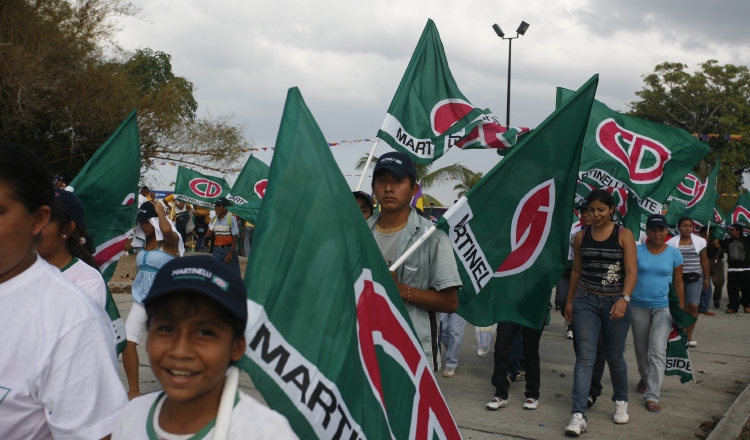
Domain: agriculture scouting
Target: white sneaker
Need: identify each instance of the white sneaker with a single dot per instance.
(569, 334)
(692, 343)
(531, 404)
(621, 412)
(495, 404)
(449, 372)
(577, 425)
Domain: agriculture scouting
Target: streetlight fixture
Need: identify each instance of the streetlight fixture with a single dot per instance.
(522, 28)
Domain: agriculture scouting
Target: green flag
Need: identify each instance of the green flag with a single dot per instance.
(698, 196)
(510, 233)
(429, 115)
(678, 359)
(199, 189)
(646, 158)
(330, 344)
(249, 189)
(741, 212)
(106, 187)
(718, 225)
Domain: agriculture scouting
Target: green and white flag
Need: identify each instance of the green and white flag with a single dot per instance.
(718, 224)
(646, 158)
(698, 196)
(249, 189)
(510, 233)
(199, 189)
(329, 342)
(429, 114)
(741, 211)
(106, 187)
(678, 359)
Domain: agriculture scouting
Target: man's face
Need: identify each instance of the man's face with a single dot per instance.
(363, 207)
(393, 193)
(220, 209)
(734, 233)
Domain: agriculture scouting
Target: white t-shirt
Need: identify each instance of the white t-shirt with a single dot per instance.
(58, 368)
(87, 279)
(250, 419)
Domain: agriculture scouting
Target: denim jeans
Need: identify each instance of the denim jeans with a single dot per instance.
(693, 292)
(651, 329)
(590, 316)
(452, 328)
(596, 376)
(200, 243)
(506, 333)
(705, 298)
(515, 357)
(221, 252)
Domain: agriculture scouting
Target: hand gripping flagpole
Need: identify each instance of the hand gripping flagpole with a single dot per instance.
(226, 405)
(461, 202)
(367, 164)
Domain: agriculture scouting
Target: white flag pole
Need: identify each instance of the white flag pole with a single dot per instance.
(461, 202)
(367, 164)
(226, 404)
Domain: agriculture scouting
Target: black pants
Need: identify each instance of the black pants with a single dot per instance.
(506, 332)
(736, 282)
(181, 222)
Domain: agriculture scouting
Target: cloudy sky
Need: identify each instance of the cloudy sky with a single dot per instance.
(347, 57)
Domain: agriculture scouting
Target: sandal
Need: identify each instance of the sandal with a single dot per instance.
(642, 387)
(653, 407)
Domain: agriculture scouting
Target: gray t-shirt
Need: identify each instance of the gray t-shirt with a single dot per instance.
(388, 244)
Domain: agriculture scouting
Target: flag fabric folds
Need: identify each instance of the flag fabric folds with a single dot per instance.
(647, 159)
(199, 189)
(678, 359)
(329, 342)
(510, 232)
(249, 189)
(429, 114)
(107, 187)
(699, 196)
(741, 212)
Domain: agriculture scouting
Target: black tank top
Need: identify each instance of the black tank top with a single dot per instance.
(603, 263)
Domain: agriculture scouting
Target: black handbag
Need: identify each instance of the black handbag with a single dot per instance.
(690, 277)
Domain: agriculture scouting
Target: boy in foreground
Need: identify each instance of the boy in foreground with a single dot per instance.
(196, 317)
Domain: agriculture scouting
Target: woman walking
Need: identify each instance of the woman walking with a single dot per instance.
(160, 242)
(695, 273)
(603, 277)
(658, 265)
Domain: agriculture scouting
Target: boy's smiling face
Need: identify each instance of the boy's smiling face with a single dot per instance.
(190, 349)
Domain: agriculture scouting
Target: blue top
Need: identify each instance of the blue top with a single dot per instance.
(654, 275)
(149, 262)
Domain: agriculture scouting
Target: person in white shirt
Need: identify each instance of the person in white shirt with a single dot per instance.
(59, 377)
(196, 316)
(66, 245)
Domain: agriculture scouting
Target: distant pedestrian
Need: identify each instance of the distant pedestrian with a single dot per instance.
(364, 201)
(737, 250)
(225, 231)
(695, 273)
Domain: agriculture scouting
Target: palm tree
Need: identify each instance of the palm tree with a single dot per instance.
(468, 181)
(427, 177)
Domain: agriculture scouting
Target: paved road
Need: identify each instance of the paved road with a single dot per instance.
(721, 361)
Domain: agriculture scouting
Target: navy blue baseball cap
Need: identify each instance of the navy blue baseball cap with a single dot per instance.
(400, 164)
(71, 205)
(655, 220)
(223, 201)
(146, 211)
(205, 275)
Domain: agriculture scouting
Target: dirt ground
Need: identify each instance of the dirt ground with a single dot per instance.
(126, 269)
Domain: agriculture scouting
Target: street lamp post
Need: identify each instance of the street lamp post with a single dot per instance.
(520, 31)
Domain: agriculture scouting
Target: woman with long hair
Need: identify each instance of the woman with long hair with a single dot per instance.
(658, 265)
(66, 245)
(159, 242)
(59, 358)
(601, 282)
(695, 273)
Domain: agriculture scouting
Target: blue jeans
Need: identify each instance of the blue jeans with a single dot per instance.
(221, 252)
(452, 328)
(693, 292)
(590, 316)
(200, 243)
(651, 329)
(705, 297)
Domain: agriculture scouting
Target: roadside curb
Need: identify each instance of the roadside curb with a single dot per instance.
(730, 426)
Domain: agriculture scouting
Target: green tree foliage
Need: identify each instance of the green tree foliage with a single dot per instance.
(63, 96)
(712, 100)
(468, 181)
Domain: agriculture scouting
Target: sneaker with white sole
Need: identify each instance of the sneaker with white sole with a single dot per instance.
(449, 372)
(495, 404)
(621, 412)
(531, 404)
(577, 425)
(692, 343)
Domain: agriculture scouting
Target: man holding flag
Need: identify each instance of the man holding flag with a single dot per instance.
(428, 281)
